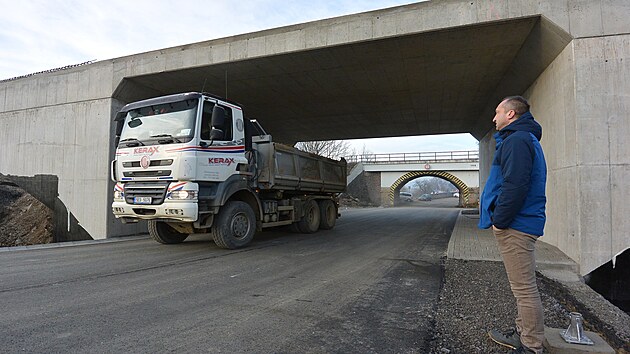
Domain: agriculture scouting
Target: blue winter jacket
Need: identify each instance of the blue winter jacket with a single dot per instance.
(514, 195)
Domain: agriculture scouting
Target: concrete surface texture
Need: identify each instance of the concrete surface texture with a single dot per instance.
(425, 68)
(557, 345)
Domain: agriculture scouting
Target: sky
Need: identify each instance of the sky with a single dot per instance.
(37, 35)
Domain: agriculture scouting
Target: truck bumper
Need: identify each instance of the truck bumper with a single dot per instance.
(181, 211)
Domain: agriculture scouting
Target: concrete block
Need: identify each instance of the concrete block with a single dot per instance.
(147, 63)
(555, 11)
(9, 99)
(72, 82)
(493, 10)
(295, 40)
(620, 190)
(337, 33)
(315, 37)
(238, 50)
(256, 47)
(220, 53)
(275, 44)
(586, 18)
(3, 95)
(412, 22)
(385, 25)
(616, 13)
(562, 193)
(595, 216)
(194, 56)
(173, 60)
(360, 29)
(556, 345)
(32, 88)
(553, 103)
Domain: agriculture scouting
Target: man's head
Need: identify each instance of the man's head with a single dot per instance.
(509, 110)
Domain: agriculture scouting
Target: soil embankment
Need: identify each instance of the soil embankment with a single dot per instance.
(24, 220)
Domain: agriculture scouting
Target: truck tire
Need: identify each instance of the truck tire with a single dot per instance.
(234, 226)
(162, 233)
(328, 214)
(310, 221)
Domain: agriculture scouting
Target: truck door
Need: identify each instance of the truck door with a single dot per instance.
(218, 157)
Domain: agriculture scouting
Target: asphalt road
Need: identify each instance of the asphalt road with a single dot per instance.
(368, 286)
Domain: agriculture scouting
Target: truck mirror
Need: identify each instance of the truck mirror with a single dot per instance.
(218, 116)
(216, 134)
(134, 123)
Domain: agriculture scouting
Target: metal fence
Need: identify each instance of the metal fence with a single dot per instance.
(414, 157)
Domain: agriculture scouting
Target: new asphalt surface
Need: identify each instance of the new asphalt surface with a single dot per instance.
(415, 279)
(370, 285)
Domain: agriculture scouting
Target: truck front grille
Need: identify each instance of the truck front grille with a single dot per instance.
(155, 190)
(158, 173)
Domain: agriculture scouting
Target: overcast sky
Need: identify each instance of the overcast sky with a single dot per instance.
(37, 35)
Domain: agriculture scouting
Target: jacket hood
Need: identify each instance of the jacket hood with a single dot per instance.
(525, 123)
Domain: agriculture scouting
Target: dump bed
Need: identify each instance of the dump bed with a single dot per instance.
(282, 167)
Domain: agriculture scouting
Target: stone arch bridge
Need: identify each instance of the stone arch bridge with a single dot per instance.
(378, 178)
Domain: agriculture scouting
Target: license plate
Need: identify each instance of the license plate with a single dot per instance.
(142, 200)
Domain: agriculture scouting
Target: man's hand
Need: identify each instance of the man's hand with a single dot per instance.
(496, 228)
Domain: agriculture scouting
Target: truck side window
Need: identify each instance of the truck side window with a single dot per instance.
(206, 122)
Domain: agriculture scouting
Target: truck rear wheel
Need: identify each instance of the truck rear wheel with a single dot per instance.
(162, 233)
(234, 226)
(310, 222)
(328, 214)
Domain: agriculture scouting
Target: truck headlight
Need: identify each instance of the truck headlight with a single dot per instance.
(183, 195)
(118, 195)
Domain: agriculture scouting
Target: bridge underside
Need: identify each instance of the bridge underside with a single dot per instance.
(427, 68)
(433, 82)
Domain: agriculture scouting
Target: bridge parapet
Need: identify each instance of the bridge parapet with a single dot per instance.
(415, 157)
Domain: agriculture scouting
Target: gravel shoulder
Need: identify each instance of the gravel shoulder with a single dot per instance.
(475, 298)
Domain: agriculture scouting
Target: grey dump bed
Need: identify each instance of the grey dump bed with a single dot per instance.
(286, 168)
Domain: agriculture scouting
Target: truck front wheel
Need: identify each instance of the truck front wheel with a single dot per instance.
(310, 222)
(234, 226)
(162, 233)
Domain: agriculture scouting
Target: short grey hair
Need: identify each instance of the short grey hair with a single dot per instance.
(518, 104)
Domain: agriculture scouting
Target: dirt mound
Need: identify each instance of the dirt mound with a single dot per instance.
(24, 220)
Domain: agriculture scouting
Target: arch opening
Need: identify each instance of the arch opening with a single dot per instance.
(397, 186)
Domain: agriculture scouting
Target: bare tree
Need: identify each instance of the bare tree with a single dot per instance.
(334, 149)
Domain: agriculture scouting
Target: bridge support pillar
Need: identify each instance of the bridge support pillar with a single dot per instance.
(385, 197)
(473, 198)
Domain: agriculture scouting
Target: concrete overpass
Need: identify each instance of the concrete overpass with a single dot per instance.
(379, 178)
(426, 68)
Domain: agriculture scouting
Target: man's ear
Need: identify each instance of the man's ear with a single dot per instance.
(511, 114)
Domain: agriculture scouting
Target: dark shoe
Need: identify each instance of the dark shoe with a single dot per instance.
(522, 350)
(509, 338)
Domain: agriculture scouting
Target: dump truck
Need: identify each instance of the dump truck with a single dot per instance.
(192, 163)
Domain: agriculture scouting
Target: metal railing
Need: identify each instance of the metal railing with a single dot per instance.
(414, 157)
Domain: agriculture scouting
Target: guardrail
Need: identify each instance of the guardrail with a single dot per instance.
(411, 157)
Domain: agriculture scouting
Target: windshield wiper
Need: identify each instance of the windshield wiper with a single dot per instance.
(132, 142)
(170, 139)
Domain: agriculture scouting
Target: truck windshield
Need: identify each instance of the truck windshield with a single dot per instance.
(160, 124)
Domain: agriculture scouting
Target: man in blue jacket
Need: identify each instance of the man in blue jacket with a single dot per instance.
(513, 204)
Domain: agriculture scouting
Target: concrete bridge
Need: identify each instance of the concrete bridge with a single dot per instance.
(426, 68)
(378, 178)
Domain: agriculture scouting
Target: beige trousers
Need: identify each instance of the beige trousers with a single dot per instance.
(517, 250)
